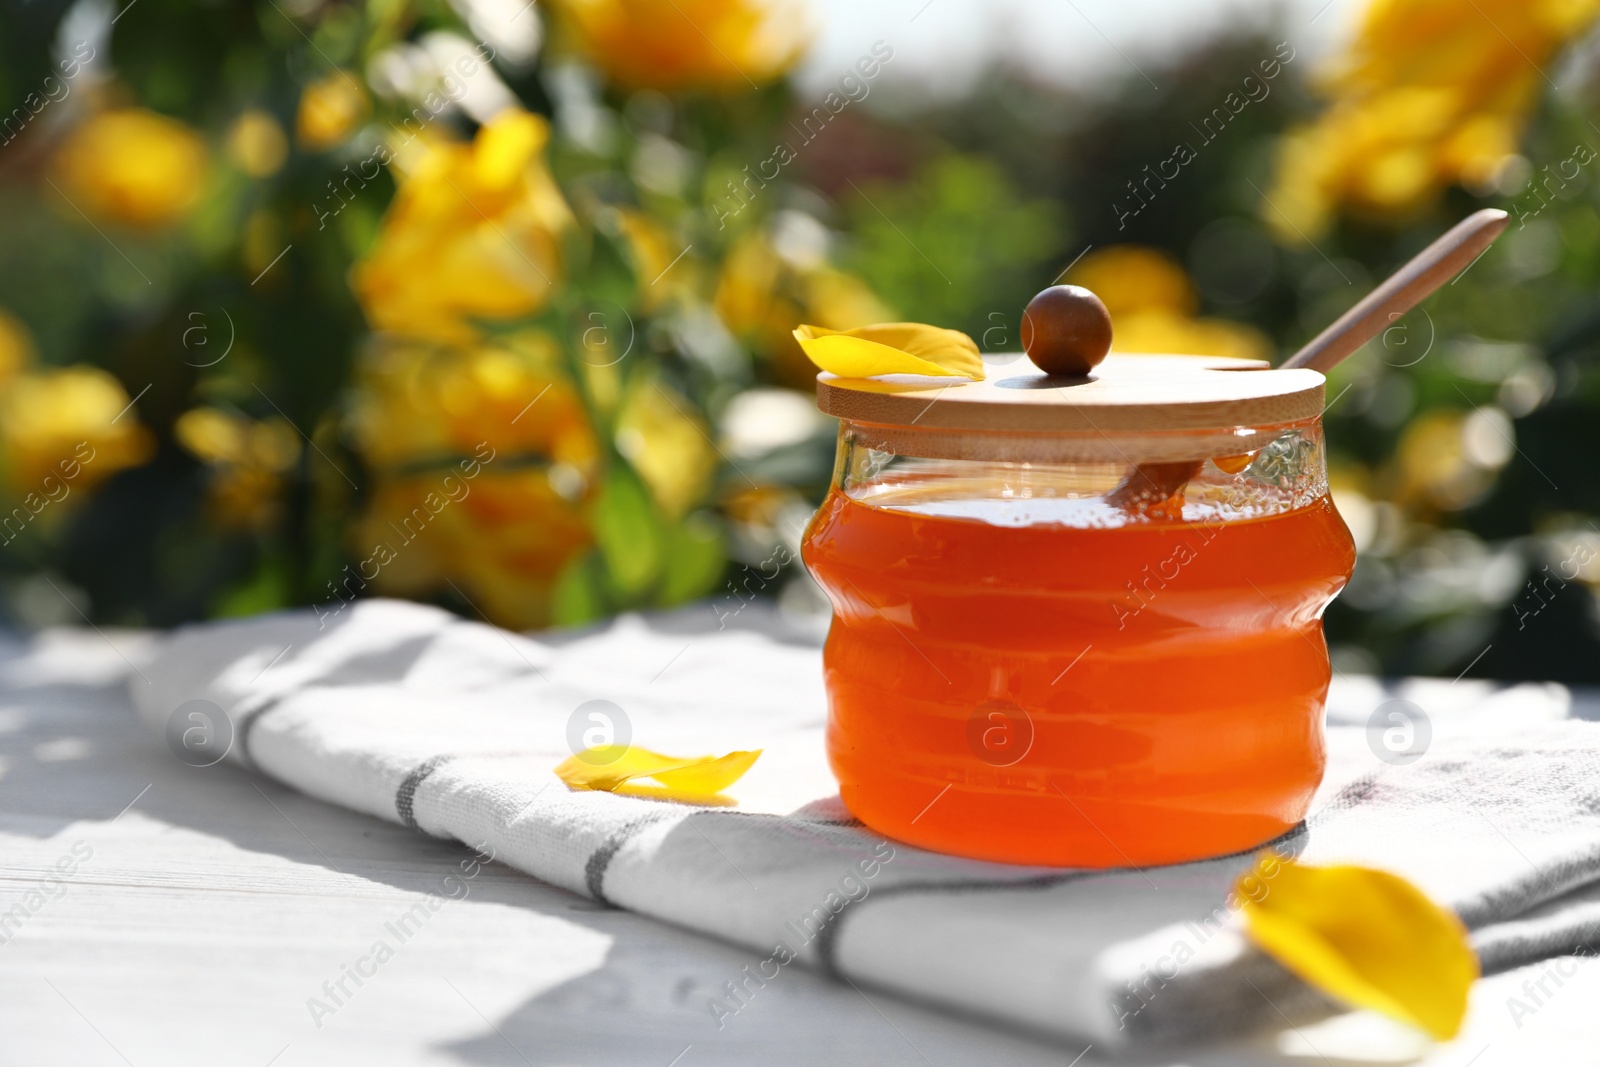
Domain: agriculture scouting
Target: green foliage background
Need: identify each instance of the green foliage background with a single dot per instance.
(954, 213)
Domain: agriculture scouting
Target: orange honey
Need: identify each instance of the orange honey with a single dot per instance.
(1066, 691)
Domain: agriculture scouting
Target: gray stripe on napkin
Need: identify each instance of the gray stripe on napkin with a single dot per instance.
(246, 723)
(406, 795)
(828, 936)
(594, 871)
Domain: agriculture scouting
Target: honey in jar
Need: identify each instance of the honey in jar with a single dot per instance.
(1028, 663)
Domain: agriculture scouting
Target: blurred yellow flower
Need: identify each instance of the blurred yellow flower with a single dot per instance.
(330, 110)
(1152, 305)
(248, 461)
(666, 445)
(420, 402)
(1162, 331)
(1430, 93)
(82, 414)
(762, 296)
(132, 167)
(256, 143)
(663, 269)
(482, 461)
(1446, 460)
(747, 291)
(16, 347)
(1133, 278)
(681, 44)
(759, 506)
(474, 232)
(837, 300)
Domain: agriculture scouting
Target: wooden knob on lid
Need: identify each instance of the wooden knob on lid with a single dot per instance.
(1066, 331)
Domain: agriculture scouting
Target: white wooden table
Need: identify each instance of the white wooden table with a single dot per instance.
(212, 905)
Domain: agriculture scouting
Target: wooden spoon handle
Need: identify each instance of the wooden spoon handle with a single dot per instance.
(1150, 486)
(1403, 290)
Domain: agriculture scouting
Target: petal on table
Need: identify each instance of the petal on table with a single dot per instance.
(1365, 937)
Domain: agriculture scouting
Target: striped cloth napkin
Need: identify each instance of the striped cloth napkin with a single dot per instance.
(453, 728)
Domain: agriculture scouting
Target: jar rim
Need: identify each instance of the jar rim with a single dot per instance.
(1079, 446)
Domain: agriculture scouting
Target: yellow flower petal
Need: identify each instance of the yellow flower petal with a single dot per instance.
(474, 232)
(50, 415)
(506, 147)
(665, 445)
(610, 767)
(711, 776)
(684, 44)
(133, 167)
(1365, 937)
(892, 348)
(330, 110)
(256, 143)
(1132, 278)
(16, 347)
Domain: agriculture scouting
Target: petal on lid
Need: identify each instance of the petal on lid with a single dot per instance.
(892, 348)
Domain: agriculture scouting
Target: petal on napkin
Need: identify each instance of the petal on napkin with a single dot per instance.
(609, 767)
(892, 348)
(1365, 937)
(711, 776)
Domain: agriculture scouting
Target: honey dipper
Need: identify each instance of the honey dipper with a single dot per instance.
(1067, 331)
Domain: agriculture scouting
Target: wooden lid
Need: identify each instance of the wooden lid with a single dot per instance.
(1130, 393)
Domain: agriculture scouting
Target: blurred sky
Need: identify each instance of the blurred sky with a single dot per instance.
(940, 44)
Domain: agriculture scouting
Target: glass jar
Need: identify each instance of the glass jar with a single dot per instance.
(1083, 630)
